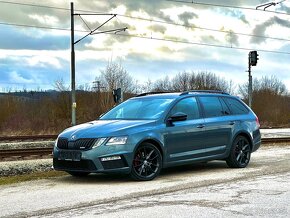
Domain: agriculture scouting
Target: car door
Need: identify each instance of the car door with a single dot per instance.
(218, 125)
(184, 139)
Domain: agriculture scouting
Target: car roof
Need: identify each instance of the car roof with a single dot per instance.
(179, 94)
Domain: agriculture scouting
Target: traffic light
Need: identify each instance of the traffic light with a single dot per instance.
(117, 95)
(253, 58)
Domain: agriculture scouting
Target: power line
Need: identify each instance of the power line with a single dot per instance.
(178, 1)
(226, 6)
(34, 5)
(203, 44)
(166, 22)
(203, 28)
(154, 38)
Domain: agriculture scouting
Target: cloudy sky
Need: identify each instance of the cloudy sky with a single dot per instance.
(163, 38)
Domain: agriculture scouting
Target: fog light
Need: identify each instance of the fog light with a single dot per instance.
(111, 158)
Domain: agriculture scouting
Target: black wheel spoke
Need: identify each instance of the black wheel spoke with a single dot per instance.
(238, 157)
(153, 158)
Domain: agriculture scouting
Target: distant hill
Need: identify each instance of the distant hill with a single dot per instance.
(32, 94)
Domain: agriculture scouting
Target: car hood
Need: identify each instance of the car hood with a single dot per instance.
(106, 128)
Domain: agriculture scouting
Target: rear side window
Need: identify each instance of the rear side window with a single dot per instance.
(187, 106)
(212, 106)
(236, 107)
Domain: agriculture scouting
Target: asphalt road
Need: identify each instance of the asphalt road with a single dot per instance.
(211, 190)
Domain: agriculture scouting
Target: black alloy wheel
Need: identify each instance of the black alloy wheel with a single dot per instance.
(240, 153)
(147, 162)
(78, 174)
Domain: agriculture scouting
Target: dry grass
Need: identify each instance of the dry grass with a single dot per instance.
(29, 177)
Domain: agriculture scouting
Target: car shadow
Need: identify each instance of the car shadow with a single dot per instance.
(167, 173)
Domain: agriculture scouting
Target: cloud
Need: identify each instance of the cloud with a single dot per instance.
(232, 38)
(235, 14)
(18, 78)
(186, 16)
(260, 29)
(16, 38)
(157, 28)
(44, 61)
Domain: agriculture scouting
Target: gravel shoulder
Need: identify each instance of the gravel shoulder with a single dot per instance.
(62, 196)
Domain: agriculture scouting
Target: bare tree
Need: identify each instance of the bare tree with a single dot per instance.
(162, 85)
(115, 76)
(182, 81)
(266, 84)
(60, 86)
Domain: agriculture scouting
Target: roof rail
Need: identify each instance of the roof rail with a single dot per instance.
(151, 93)
(205, 91)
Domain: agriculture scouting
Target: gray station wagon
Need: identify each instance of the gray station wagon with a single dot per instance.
(156, 130)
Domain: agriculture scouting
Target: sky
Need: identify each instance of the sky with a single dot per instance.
(163, 38)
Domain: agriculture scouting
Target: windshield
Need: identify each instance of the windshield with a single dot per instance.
(138, 109)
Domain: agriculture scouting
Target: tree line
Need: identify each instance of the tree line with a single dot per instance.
(51, 113)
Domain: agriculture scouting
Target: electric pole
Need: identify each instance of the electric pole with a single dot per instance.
(73, 42)
(73, 83)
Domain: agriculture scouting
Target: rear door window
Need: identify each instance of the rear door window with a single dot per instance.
(212, 106)
(236, 107)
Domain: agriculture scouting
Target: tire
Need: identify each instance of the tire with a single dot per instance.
(78, 174)
(240, 153)
(147, 162)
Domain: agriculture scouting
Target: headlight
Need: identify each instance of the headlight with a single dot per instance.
(98, 142)
(117, 140)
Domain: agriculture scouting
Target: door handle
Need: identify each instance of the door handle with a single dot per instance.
(200, 126)
(232, 123)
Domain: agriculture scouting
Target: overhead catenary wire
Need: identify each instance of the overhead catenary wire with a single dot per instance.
(155, 38)
(177, 1)
(166, 22)
(152, 20)
(226, 6)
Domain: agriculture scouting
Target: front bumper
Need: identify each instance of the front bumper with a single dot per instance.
(104, 159)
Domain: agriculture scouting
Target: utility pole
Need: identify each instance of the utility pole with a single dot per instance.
(73, 83)
(73, 42)
(97, 86)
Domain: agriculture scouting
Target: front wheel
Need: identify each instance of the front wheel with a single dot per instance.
(147, 162)
(240, 153)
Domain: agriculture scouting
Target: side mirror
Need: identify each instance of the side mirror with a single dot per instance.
(179, 116)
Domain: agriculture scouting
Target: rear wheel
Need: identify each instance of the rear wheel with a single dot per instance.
(78, 174)
(240, 153)
(147, 162)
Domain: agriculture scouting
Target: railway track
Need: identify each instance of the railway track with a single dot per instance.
(32, 153)
(30, 138)
(35, 153)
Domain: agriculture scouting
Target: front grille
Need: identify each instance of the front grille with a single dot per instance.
(62, 143)
(114, 164)
(82, 165)
(80, 144)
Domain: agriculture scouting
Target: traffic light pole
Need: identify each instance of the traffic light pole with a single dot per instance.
(250, 87)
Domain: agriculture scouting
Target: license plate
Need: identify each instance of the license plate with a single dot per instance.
(70, 155)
